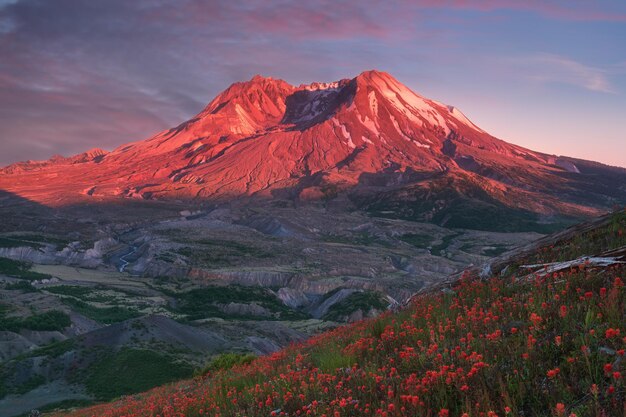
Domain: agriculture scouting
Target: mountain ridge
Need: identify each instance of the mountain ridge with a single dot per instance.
(267, 138)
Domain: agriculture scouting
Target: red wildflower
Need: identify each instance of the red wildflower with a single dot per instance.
(535, 318)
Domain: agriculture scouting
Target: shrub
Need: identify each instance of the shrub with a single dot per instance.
(48, 321)
(133, 370)
(19, 269)
(226, 361)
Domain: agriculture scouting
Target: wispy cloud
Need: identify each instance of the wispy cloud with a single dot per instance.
(556, 69)
(76, 74)
(573, 10)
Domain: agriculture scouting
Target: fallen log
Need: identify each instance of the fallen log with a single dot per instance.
(586, 261)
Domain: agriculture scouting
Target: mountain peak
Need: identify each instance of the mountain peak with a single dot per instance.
(251, 104)
(259, 77)
(255, 83)
(376, 78)
(265, 136)
(373, 73)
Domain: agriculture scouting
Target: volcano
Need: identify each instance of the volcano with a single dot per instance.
(367, 143)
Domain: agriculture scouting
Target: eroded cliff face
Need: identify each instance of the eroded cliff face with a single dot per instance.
(73, 254)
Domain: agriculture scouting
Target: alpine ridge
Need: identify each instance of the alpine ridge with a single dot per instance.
(367, 142)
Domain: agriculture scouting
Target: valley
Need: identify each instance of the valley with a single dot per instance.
(530, 325)
(198, 283)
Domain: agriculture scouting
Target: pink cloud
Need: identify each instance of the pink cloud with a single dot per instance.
(575, 10)
(551, 68)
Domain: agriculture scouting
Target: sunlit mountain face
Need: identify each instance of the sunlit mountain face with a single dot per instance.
(368, 142)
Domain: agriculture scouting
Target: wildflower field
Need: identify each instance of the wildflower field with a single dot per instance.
(548, 345)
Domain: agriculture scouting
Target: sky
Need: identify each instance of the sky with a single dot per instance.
(80, 74)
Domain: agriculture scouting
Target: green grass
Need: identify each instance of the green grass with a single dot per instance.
(493, 216)
(23, 286)
(72, 290)
(359, 239)
(465, 206)
(438, 249)
(105, 315)
(417, 239)
(203, 302)
(330, 294)
(364, 301)
(217, 252)
(32, 383)
(331, 358)
(19, 269)
(19, 389)
(48, 321)
(594, 242)
(4, 389)
(226, 361)
(166, 257)
(31, 241)
(11, 242)
(132, 370)
(59, 406)
(82, 293)
(54, 350)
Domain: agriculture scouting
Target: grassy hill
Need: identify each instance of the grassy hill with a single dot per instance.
(527, 342)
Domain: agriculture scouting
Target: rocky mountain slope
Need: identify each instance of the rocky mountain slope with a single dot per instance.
(368, 143)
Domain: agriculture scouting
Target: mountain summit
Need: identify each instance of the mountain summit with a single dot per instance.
(389, 150)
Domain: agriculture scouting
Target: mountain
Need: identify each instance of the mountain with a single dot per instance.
(368, 143)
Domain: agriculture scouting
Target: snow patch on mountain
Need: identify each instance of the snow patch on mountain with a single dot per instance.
(567, 165)
(317, 104)
(370, 125)
(345, 134)
(321, 86)
(398, 129)
(373, 103)
(246, 125)
(458, 115)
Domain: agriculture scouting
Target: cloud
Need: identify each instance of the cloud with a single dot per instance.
(573, 10)
(551, 69)
(5, 3)
(96, 64)
(77, 74)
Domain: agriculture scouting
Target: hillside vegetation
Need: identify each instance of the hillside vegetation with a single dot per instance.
(540, 344)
